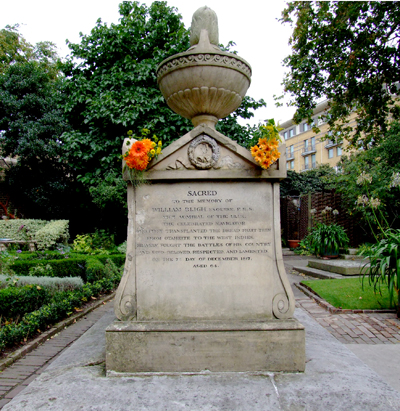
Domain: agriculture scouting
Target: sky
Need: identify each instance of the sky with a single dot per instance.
(252, 25)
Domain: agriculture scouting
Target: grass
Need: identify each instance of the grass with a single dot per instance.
(348, 293)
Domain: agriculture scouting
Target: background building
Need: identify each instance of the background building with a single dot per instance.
(305, 149)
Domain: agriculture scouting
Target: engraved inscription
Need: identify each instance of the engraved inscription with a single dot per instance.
(204, 229)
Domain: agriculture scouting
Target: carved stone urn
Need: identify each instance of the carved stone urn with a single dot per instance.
(204, 83)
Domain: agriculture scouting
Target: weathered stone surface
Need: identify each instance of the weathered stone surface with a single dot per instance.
(343, 267)
(134, 347)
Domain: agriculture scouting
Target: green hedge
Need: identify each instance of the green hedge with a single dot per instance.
(17, 301)
(46, 233)
(67, 267)
(16, 229)
(62, 305)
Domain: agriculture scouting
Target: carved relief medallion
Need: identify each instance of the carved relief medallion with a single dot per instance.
(203, 152)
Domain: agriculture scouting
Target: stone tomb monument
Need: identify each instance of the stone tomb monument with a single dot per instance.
(204, 286)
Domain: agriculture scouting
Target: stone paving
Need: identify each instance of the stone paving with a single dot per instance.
(16, 377)
(351, 328)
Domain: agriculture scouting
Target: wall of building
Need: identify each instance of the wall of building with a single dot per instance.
(305, 149)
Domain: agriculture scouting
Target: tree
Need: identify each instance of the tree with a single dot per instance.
(369, 182)
(310, 181)
(15, 49)
(111, 87)
(31, 123)
(349, 53)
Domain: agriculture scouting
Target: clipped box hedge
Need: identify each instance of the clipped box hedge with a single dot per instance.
(17, 301)
(61, 306)
(68, 267)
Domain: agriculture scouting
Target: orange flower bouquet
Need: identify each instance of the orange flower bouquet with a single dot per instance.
(141, 152)
(265, 151)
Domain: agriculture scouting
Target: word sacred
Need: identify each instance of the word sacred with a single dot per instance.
(201, 193)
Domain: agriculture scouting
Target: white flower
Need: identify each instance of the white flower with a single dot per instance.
(364, 178)
(313, 211)
(335, 212)
(362, 200)
(328, 208)
(395, 180)
(374, 202)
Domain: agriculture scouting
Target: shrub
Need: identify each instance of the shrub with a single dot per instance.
(122, 248)
(17, 301)
(99, 242)
(21, 230)
(54, 232)
(53, 284)
(67, 267)
(74, 266)
(94, 270)
(61, 306)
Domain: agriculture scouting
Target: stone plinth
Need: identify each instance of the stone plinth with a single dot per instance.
(204, 285)
(276, 345)
(343, 267)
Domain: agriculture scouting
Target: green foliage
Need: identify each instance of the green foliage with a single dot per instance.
(22, 230)
(99, 242)
(347, 52)
(15, 49)
(348, 293)
(122, 248)
(380, 164)
(94, 269)
(326, 239)
(62, 305)
(17, 301)
(384, 268)
(67, 267)
(53, 284)
(51, 234)
(111, 87)
(318, 179)
(32, 122)
(74, 265)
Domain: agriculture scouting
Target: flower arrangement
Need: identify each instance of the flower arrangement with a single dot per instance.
(141, 152)
(265, 151)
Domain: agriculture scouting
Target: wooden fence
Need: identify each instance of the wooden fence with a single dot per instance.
(297, 219)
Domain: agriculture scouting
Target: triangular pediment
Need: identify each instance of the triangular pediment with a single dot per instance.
(207, 154)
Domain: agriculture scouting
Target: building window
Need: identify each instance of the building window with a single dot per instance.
(313, 162)
(306, 163)
(305, 145)
(312, 140)
(306, 127)
(291, 132)
(338, 151)
(292, 164)
(330, 153)
(285, 135)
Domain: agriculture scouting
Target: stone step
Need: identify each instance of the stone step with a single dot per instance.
(351, 257)
(343, 267)
(314, 272)
(287, 251)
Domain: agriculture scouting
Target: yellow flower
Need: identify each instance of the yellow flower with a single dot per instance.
(158, 151)
(152, 152)
(159, 143)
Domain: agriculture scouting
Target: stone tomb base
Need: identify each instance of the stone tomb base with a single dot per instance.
(217, 346)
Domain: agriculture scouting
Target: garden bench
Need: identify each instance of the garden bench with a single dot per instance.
(4, 243)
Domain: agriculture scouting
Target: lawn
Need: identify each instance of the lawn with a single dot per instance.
(349, 293)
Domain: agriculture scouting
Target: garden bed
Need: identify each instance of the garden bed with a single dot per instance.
(349, 294)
